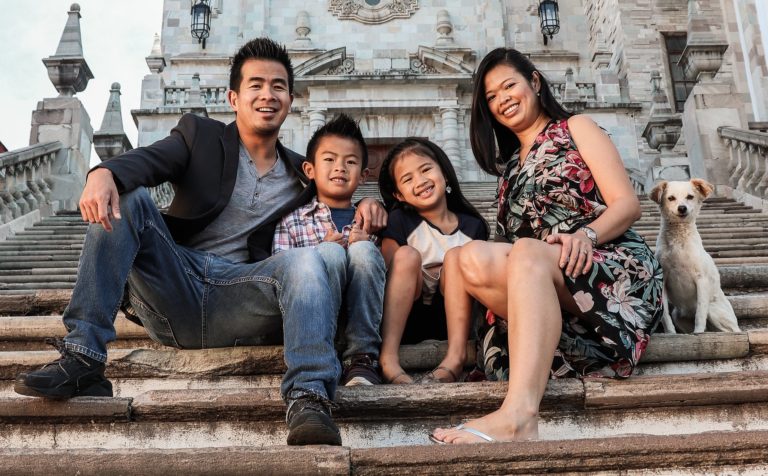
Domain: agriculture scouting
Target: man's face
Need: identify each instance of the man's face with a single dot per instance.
(262, 101)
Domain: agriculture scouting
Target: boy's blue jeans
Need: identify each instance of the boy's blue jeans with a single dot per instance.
(192, 299)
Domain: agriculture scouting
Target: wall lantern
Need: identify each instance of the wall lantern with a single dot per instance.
(550, 20)
(201, 21)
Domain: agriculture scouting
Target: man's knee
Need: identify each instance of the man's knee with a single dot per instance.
(333, 255)
(137, 197)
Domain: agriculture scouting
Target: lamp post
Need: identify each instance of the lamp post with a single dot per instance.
(549, 18)
(201, 21)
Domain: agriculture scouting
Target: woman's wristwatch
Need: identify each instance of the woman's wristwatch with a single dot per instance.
(591, 234)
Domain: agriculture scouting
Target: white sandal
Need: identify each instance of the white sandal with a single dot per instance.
(461, 427)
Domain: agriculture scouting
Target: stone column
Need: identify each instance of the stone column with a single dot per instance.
(111, 141)
(64, 118)
(450, 121)
(316, 119)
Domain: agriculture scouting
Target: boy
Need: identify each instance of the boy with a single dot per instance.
(336, 163)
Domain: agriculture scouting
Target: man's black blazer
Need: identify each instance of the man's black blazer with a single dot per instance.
(199, 158)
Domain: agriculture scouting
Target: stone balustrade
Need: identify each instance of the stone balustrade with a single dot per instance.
(748, 165)
(210, 96)
(586, 92)
(638, 181)
(25, 180)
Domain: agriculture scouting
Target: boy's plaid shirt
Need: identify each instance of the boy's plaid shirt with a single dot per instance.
(307, 226)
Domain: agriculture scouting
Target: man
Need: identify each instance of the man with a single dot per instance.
(186, 274)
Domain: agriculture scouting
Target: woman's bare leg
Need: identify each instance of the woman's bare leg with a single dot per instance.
(535, 292)
(399, 295)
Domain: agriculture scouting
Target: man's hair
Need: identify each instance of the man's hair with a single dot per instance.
(263, 49)
(340, 126)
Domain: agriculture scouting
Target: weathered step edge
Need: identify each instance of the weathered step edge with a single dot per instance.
(168, 362)
(706, 452)
(396, 401)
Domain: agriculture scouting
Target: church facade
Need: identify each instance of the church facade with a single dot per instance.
(661, 76)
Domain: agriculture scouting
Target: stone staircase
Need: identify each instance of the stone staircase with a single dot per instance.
(698, 404)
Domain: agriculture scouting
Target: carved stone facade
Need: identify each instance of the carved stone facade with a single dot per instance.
(404, 68)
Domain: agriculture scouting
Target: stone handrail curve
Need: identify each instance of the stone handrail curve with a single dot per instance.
(637, 179)
(748, 164)
(25, 179)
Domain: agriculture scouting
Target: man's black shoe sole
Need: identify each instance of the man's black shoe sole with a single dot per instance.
(314, 431)
(100, 388)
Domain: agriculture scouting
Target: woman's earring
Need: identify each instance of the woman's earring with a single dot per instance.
(448, 189)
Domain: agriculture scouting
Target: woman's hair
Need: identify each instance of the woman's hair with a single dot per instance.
(483, 128)
(424, 148)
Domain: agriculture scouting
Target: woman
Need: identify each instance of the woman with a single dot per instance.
(573, 280)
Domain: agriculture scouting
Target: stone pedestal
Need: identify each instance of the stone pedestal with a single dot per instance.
(709, 106)
(65, 119)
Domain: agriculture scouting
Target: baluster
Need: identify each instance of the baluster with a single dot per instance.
(762, 185)
(44, 188)
(748, 167)
(6, 214)
(22, 205)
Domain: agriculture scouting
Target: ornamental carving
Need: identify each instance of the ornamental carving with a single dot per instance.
(372, 12)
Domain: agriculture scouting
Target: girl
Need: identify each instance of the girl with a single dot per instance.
(429, 216)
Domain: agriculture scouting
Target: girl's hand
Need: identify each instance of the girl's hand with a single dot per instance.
(575, 252)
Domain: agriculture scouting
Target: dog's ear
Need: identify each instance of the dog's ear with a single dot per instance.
(703, 187)
(658, 191)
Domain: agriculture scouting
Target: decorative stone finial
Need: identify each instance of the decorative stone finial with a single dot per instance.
(67, 69)
(110, 140)
(194, 101)
(302, 31)
(444, 29)
(155, 60)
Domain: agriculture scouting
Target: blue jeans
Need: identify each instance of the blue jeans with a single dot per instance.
(364, 276)
(191, 299)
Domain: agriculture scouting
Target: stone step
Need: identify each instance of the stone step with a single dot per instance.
(53, 263)
(6, 279)
(268, 360)
(390, 415)
(722, 452)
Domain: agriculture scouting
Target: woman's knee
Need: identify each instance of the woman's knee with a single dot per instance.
(530, 256)
(474, 260)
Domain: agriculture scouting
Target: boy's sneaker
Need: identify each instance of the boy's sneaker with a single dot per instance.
(309, 422)
(361, 369)
(71, 375)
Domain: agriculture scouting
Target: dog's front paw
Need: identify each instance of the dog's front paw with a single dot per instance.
(699, 331)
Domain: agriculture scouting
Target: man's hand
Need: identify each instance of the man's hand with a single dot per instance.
(372, 215)
(100, 201)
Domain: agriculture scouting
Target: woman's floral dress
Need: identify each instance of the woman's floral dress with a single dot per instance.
(620, 298)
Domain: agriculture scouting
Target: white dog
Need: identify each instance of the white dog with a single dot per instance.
(691, 279)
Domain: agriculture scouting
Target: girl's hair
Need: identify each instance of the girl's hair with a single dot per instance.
(483, 128)
(424, 148)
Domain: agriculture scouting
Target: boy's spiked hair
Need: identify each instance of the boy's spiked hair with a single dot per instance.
(340, 126)
(263, 49)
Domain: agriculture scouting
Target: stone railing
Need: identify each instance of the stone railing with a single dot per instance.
(748, 164)
(211, 96)
(638, 181)
(25, 180)
(586, 92)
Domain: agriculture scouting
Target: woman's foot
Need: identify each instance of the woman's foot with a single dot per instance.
(499, 425)
(401, 379)
(448, 371)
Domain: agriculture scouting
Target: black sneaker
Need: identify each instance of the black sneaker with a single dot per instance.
(309, 422)
(360, 369)
(71, 375)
